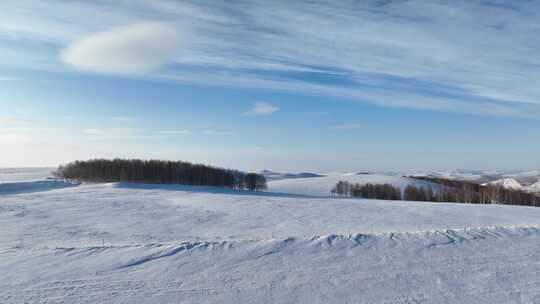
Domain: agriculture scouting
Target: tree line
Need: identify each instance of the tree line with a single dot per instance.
(374, 191)
(159, 172)
(474, 193)
(450, 191)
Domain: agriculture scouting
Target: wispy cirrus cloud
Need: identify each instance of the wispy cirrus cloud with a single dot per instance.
(12, 121)
(109, 132)
(93, 131)
(173, 132)
(15, 131)
(8, 78)
(118, 133)
(348, 126)
(261, 108)
(478, 57)
(216, 132)
(124, 119)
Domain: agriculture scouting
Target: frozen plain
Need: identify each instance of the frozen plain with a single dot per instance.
(129, 243)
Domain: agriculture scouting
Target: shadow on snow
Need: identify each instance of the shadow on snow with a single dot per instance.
(207, 189)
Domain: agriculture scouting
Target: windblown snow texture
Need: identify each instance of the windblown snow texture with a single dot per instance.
(129, 243)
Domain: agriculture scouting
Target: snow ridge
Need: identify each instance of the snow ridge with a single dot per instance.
(508, 183)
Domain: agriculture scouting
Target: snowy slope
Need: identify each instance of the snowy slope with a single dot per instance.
(33, 186)
(474, 266)
(508, 183)
(480, 176)
(524, 178)
(130, 243)
(137, 214)
(271, 175)
(534, 187)
(321, 186)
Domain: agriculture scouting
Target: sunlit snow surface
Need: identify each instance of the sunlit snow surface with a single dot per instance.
(321, 186)
(128, 243)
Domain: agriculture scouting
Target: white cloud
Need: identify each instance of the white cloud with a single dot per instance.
(130, 133)
(123, 119)
(10, 121)
(458, 56)
(140, 47)
(173, 132)
(8, 78)
(109, 132)
(348, 126)
(216, 132)
(262, 108)
(122, 131)
(92, 131)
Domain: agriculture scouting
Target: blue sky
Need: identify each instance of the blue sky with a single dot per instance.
(295, 86)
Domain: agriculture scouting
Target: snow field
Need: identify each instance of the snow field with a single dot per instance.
(130, 243)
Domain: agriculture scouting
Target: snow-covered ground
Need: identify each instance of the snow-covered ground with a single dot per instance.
(520, 180)
(270, 175)
(534, 187)
(129, 243)
(33, 186)
(321, 186)
(508, 183)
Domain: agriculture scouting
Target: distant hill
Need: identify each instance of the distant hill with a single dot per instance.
(271, 175)
(322, 185)
(508, 183)
(534, 187)
(10, 175)
(518, 180)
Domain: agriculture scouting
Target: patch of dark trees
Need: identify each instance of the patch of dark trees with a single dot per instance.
(474, 193)
(449, 191)
(374, 191)
(159, 172)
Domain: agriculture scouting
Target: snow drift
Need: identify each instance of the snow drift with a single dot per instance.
(132, 243)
